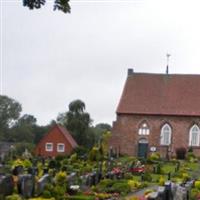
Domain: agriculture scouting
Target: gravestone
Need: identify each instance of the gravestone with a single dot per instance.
(93, 178)
(168, 190)
(18, 170)
(33, 171)
(88, 180)
(71, 179)
(26, 185)
(45, 171)
(161, 193)
(181, 193)
(6, 185)
(44, 180)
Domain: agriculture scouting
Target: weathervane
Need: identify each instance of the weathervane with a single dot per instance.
(167, 69)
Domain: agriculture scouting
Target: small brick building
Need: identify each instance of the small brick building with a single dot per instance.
(57, 141)
(157, 112)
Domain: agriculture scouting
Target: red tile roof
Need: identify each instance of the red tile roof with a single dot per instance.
(67, 136)
(161, 94)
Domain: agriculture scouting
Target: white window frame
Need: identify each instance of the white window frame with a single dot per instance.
(166, 135)
(49, 149)
(144, 129)
(58, 150)
(193, 143)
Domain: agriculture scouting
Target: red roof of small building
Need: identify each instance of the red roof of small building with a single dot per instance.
(67, 136)
(161, 94)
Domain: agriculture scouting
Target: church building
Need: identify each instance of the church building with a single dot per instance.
(157, 113)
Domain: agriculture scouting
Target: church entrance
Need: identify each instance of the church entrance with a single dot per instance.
(142, 148)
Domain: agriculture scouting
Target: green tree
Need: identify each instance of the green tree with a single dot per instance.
(99, 130)
(9, 112)
(23, 130)
(62, 5)
(78, 122)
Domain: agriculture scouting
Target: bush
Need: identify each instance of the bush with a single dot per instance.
(191, 157)
(197, 185)
(194, 193)
(61, 178)
(147, 177)
(154, 157)
(81, 151)
(159, 168)
(161, 181)
(46, 194)
(13, 197)
(180, 153)
(122, 188)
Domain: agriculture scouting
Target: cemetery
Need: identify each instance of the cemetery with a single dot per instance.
(100, 175)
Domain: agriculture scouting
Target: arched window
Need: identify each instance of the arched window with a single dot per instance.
(194, 136)
(144, 129)
(165, 135)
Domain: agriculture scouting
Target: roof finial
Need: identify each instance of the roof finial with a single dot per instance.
(167, 69)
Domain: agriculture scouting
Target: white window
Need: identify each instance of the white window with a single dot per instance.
(49, 147)
(165, 135)
(194, 136)
(60, 147)
(144, 129)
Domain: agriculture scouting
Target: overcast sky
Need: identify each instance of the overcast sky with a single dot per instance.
(50, 58)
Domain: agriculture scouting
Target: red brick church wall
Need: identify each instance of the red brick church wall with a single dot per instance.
(125, 135)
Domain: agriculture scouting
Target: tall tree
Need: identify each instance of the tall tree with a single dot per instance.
(62, 5)
(23, 130)
(78, 122)
(9, 112)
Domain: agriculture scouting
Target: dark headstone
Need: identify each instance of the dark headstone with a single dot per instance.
(45, 171)
(161, 192)
(26, 185)
(33, 171)
(18, 170)
(168, 190)
(6, 185)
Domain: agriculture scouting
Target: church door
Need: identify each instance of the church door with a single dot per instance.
(142, 148)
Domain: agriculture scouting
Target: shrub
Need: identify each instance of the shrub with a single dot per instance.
(122, 188)
(154, 157)
(81, 151)
(194, 193)
(147, 177)
(197, 185)
(59, 192)
(61, 178)
(159, 168)
(13, 197)
(161, 181)
(180, 153)
(128, 175)
(134, 184)
(191, 157)
(46, 194)
(104, 185)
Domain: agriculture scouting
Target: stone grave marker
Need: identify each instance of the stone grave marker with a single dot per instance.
(6, 185)
(45, 179)
(26, 185)
(181, 193)
(18, 170)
